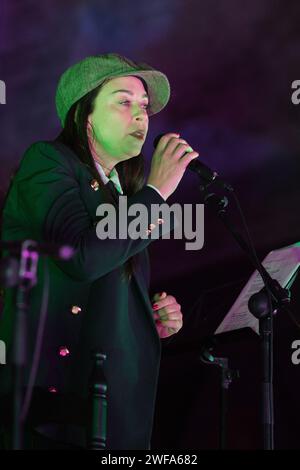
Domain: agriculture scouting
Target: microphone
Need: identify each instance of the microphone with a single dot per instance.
(64, 252)
(203, 171)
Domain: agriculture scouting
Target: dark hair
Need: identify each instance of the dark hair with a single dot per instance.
(74, 135)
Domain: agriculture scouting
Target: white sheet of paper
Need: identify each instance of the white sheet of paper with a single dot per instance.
(281, 265)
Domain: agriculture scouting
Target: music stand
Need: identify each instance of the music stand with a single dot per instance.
(252, 309)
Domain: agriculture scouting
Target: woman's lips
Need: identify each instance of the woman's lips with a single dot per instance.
(137, 136)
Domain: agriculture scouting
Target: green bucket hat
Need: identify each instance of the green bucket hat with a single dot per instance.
(88, 74)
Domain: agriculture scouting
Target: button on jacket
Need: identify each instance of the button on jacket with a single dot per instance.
(91, 306)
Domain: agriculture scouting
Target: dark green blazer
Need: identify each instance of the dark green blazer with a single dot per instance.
(91, 306)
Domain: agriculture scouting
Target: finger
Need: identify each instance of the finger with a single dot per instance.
(182, 150)
(170, 309)
(156, 316)
(167, 301)
(173, 143)
(177, 316)
(160, 295)
(163, 141)
(172, 331)
(186, 159)
(172, 324)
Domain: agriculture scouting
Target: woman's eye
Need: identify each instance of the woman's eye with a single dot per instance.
(145, 106)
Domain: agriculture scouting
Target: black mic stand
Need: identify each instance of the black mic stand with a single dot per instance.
(97, 404)
(227, 376)
(21, 272)
(263, 305)
(27, 278)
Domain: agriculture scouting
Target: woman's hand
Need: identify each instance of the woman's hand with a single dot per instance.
(170, 159)
(167, 314)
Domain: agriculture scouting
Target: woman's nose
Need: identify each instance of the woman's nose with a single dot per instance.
(140, 115)
(139, 112)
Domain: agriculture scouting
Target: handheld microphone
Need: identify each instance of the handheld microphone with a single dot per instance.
(203, 171)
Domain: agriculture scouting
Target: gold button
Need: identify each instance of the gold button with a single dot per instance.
(94, 185)
(64, 351)
(75, 309)
(150, 228)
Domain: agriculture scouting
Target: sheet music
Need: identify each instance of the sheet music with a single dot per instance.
(281, 264)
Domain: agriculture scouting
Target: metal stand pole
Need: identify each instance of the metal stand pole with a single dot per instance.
(97, 424)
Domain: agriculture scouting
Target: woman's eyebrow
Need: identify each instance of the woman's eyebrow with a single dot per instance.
(129, 92)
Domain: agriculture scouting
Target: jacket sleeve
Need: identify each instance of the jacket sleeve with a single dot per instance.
(49, 193)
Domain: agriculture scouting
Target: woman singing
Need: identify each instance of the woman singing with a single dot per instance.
(98, 299)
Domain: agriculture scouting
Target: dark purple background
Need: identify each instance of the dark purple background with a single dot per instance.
(231, 65)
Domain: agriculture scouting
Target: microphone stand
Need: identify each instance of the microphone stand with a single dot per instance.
(226, 377)
(263, 305)
(97, 404)
(27, 279)
(22, 274)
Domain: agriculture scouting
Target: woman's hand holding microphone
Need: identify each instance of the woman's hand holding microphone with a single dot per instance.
(170, 159)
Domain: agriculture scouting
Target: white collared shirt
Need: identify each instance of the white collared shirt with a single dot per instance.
(114, 177)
